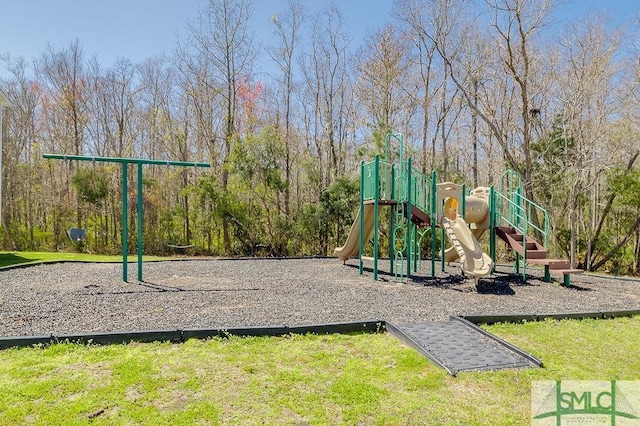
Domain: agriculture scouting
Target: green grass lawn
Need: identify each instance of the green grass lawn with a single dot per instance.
(10, 258)
(311, 379)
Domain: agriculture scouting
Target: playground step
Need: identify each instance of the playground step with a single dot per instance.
(553, 264)
(458, 345)
(420, 217)
(531, 245)
(566, 271)
(511, 236)
(557, 264)
(543, 262)
(503, 231)
(516, 237)
(534, 250)
(381, 202)
(536, 254)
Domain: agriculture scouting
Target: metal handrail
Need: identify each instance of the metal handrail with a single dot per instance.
(513, 180)
(532, 208)
(421, 190)
(515, 191)
(518, 220)
(384, 180)
(517, 216)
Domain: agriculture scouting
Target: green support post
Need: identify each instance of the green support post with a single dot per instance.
(125, 230)
(442, 249)
(492, 225)
(414, 227)
(408, 234)
(376, 202)
(140, 221)
(434, 215)
(547, 274)
(524, 253)
(392, 243)
(361, 224)
(416, 250)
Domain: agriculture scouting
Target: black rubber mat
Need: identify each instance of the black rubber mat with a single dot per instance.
(458, 345)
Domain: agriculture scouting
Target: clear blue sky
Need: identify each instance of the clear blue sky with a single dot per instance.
(139, 29)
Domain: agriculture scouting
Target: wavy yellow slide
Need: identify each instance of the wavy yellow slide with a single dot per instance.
(351, 246)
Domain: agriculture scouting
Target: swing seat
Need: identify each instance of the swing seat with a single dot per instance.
(180, 247)
(76, 234)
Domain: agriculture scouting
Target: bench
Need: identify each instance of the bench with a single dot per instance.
(556, 267)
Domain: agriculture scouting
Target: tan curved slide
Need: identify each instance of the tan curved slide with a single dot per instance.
(451, 254)
(475, 262)
(477, 213)
(352, 246)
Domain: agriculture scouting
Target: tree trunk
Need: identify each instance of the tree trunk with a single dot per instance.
(593, 242)
(634, 228)
(474, 134)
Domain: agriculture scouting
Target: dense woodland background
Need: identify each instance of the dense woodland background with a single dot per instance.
(476, 87)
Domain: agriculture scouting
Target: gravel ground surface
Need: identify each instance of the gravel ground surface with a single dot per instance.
(70, 298)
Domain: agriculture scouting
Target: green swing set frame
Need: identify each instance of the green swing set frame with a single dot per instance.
(139, 162)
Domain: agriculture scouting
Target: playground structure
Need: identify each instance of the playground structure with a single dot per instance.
(419, 205)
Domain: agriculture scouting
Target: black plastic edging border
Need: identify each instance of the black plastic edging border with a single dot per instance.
(372, 326)
(514, 318)
(536, 362)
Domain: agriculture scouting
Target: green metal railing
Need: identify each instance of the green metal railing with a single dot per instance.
(516, 217)
(531, 209)
(421, 191)
(420, 187)
(514, 208)
(382, 179)
(511, 189)
(407, 187)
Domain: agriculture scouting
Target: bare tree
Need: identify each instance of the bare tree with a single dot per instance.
(157, 85)
(383, 73)
(587, 94)
(21, 148)
(64, 77)
(432, 25)
(599, 107)
(416, 14)
(65, 81)
(115, 96)
(328, 85)
(223, 53)
(288, 28)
